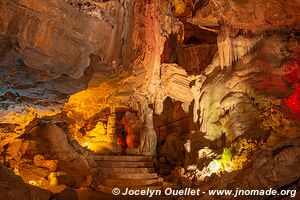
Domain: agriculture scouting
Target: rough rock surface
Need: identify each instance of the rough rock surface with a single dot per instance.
(74, 72)
(276, 167)
(13, 187)
(241, 14)
(43, 33)
(195, 58)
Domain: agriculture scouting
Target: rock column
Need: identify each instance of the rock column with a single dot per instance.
(111, 130)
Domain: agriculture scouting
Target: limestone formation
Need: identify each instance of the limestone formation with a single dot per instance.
(13, 187)
(206, 90)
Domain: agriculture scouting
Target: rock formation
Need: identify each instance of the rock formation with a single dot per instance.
(209, 88)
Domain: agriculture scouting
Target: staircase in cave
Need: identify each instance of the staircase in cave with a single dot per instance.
(133, 172)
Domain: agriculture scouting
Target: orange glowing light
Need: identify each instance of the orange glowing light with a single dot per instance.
(32, 182)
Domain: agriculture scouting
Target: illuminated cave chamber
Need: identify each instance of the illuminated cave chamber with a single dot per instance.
(113, 131)
(133, 93)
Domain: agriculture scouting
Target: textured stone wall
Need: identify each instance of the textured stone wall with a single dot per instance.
(69, 68)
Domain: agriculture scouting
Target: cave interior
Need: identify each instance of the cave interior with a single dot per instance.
(139, 94)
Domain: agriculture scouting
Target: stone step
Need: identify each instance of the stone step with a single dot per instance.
(132, 183)
(124, 158)
(126, 170)
(130, 176)
(121, 164)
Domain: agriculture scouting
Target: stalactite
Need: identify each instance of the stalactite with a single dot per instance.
(231, 49)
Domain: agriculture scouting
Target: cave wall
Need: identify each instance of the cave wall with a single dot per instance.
(68, 67)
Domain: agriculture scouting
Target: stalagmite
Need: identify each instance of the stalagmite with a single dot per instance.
(148, 135)
(196, 90)
(111, 123)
